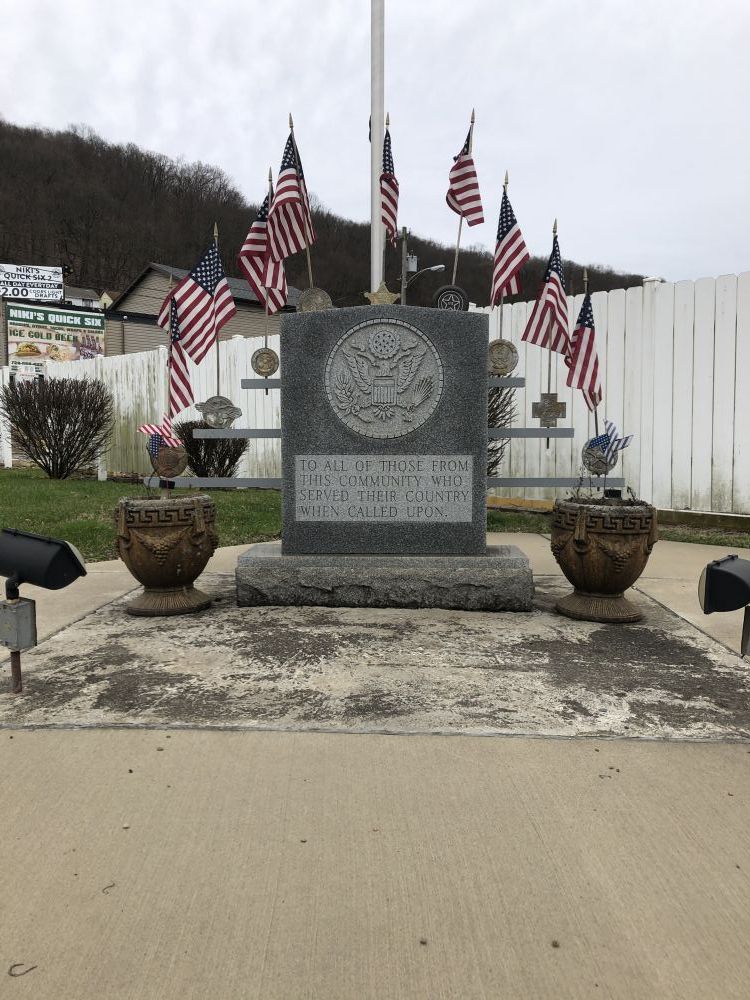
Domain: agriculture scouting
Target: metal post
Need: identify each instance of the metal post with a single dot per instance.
(403, 265)
(377, 113)
(218, 377)
(16, 681)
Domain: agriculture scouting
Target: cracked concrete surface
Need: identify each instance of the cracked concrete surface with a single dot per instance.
(387, 671)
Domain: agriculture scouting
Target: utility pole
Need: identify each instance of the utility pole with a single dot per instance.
(404, 234)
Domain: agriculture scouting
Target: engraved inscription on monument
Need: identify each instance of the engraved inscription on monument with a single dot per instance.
(383, 488)
(384, 378)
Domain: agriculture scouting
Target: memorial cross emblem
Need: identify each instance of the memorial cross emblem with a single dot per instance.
(384, 378)
(548, 410)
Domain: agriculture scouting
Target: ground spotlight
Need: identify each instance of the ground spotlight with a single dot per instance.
(725, 586)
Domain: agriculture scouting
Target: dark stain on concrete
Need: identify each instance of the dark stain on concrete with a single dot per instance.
(377, 705)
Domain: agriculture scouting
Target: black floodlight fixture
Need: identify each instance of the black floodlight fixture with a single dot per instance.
(44, 562)
(725, 586)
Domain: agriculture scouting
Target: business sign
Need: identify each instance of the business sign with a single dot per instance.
(25, 281)
(37, 334)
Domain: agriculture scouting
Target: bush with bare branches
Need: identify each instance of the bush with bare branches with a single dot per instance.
(210, 458)
(60, 424)
(501, 408)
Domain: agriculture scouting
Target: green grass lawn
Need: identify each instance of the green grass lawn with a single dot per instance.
(81, 512)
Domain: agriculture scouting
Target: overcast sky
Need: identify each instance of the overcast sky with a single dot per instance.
(627, 120)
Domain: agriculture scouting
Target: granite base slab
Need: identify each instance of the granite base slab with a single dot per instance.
(499, 580)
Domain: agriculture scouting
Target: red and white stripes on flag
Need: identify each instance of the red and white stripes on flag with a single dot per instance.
(389, 192)
(264, 275)
(511, 253)
(165, 431)
(290, 227)
(548, 322)
(204, 304)
(463, 186)
(179, 387)
(582, 360)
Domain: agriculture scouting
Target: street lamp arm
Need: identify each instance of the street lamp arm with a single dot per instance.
(424, 270)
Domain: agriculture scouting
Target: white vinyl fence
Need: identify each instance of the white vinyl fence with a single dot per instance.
(138, 383)
(675, 364)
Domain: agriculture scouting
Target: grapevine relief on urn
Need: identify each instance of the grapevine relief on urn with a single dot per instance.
(384, 378)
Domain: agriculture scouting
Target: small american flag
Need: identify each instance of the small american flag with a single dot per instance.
(180, 390)
(389, 192)
(548, 322)
(600, 442)
(511, 254)
(159, 436)
(616, 443)
(204, 304)
(581, 359)
(463, 186)
(290, 227)
(264, 275)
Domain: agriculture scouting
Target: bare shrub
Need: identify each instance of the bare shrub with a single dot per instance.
(61, 424)
(501, 408)
(209, 459)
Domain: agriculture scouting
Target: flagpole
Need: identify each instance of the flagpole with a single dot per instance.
(216, 244)
(377, 110)
(549, 333)
(585, 292)
(296, 162)
(461, 218)
(502, 294)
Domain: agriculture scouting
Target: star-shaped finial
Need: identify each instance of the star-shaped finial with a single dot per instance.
(382, 297)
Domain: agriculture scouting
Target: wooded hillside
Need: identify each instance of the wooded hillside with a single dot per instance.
(104, 210)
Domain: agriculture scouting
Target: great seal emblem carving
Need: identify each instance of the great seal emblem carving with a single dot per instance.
(384, 378)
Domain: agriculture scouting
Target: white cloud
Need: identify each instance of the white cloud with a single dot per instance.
(624, 120)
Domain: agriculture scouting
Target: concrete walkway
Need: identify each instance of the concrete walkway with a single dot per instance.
(196, 864)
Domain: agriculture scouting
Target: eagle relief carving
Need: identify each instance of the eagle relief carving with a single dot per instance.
(384, 378)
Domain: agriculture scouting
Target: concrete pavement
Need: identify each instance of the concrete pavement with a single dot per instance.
(277, 866)
(196, 864)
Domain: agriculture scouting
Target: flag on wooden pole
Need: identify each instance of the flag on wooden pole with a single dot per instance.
(264, 275)
(548, 322)
(290, 227)
(511, 253)
(389, 191)
(463, 185)
(581, 358)
(203, 304)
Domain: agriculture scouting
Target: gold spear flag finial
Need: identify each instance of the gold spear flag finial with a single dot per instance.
(505, 182)
(585, 279)
(472, 116)
(554, 228)
(387, 119)
(216, 234)
(291, 122)
(270, 176)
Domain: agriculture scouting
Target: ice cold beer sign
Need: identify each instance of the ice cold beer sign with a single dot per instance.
(384, 488)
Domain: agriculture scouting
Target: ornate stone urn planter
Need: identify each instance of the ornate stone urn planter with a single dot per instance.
(166, 543)
(602, 549)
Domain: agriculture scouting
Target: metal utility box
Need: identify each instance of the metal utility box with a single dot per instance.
(18, 624)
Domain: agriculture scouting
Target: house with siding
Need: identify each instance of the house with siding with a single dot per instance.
(131, 318)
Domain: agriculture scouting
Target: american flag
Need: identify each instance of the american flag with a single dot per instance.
(581, 359)
(264, 275)
(511, 254)
(204, 304)
(389, 192)
(159, 436)
(600, 442)
(179, 387)
(463, 187)
(548, 323)
(290, 227)
(616, 443)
